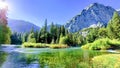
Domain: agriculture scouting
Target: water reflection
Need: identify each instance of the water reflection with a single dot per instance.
(46, 58)
(17, 60)
(3, 56)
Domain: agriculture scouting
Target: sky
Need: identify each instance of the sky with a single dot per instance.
(57, 11)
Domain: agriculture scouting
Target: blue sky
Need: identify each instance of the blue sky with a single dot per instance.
(57, 11)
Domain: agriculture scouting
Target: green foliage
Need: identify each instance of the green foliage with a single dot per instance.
(106, 61)
(5, 34)
(58, 46)
(64, 40)
(3, 57)
(67, 58)
(112, 31)
(102, 44)
(43, 45)
(78, 39)
(114, 27)
(62, 30)
(31, 38)
(16, 38)
(53, 42)
(34, 45)
(103, 33)
(92, 35)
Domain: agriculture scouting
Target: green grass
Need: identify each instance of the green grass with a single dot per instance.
(57, 46)
(106, 61)
(43, 45)
(102, 44)
(34, 45)
(67, 59)
(76, 59)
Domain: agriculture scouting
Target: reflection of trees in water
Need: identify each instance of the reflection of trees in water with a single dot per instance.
(17, 60)
(14, 60)
(3, 56)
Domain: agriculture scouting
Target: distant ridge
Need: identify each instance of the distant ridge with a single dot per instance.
(21, 26)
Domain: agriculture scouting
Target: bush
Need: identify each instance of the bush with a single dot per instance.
(106, 61)
(57, 46)
(43, 45)
(34, 45)
(102, 44)
(64, 40)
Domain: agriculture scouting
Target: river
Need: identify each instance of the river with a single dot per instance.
(11, 56)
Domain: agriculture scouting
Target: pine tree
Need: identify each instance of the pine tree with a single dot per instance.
(45, 31)
(58, 34)
(36, 36)
(114, 27)
(52, 30)
(63, 30)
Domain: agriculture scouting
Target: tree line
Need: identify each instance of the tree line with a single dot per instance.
(111, 31)
(58, 34)
(55, 35)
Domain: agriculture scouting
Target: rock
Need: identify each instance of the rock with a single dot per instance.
(92, 15)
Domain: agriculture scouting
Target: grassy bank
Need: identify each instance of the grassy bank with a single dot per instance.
(102, 44)
(106, 61)
(43, 45)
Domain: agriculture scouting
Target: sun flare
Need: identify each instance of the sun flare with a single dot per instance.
(3, 5)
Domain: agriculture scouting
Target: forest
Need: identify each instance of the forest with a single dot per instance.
(96, 38)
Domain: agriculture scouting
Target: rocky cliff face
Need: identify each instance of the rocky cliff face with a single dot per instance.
(92, 15)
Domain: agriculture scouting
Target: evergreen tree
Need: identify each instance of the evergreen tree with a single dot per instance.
(52, 32)
(31, 38)
(58, 34)
(43, 35)
(45, 31)
(5, 32)
(92, 35)
(36, 36)
(23, 38)
(39, 36)
(63, 30)
(114, 27)
(15, 38)
(103, 33)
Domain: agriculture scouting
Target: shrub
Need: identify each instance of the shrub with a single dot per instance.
(102, 44)
(56, 46)
(34, 45)
(43, 45)
(64, 40)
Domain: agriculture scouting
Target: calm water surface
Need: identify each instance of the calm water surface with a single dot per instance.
(13, 57)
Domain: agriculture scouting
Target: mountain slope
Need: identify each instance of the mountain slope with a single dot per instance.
(94, 14)
(21, 26)
(119, 11)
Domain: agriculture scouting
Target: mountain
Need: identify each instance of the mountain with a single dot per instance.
(92, 15)
(118, 11)
(21, 26)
